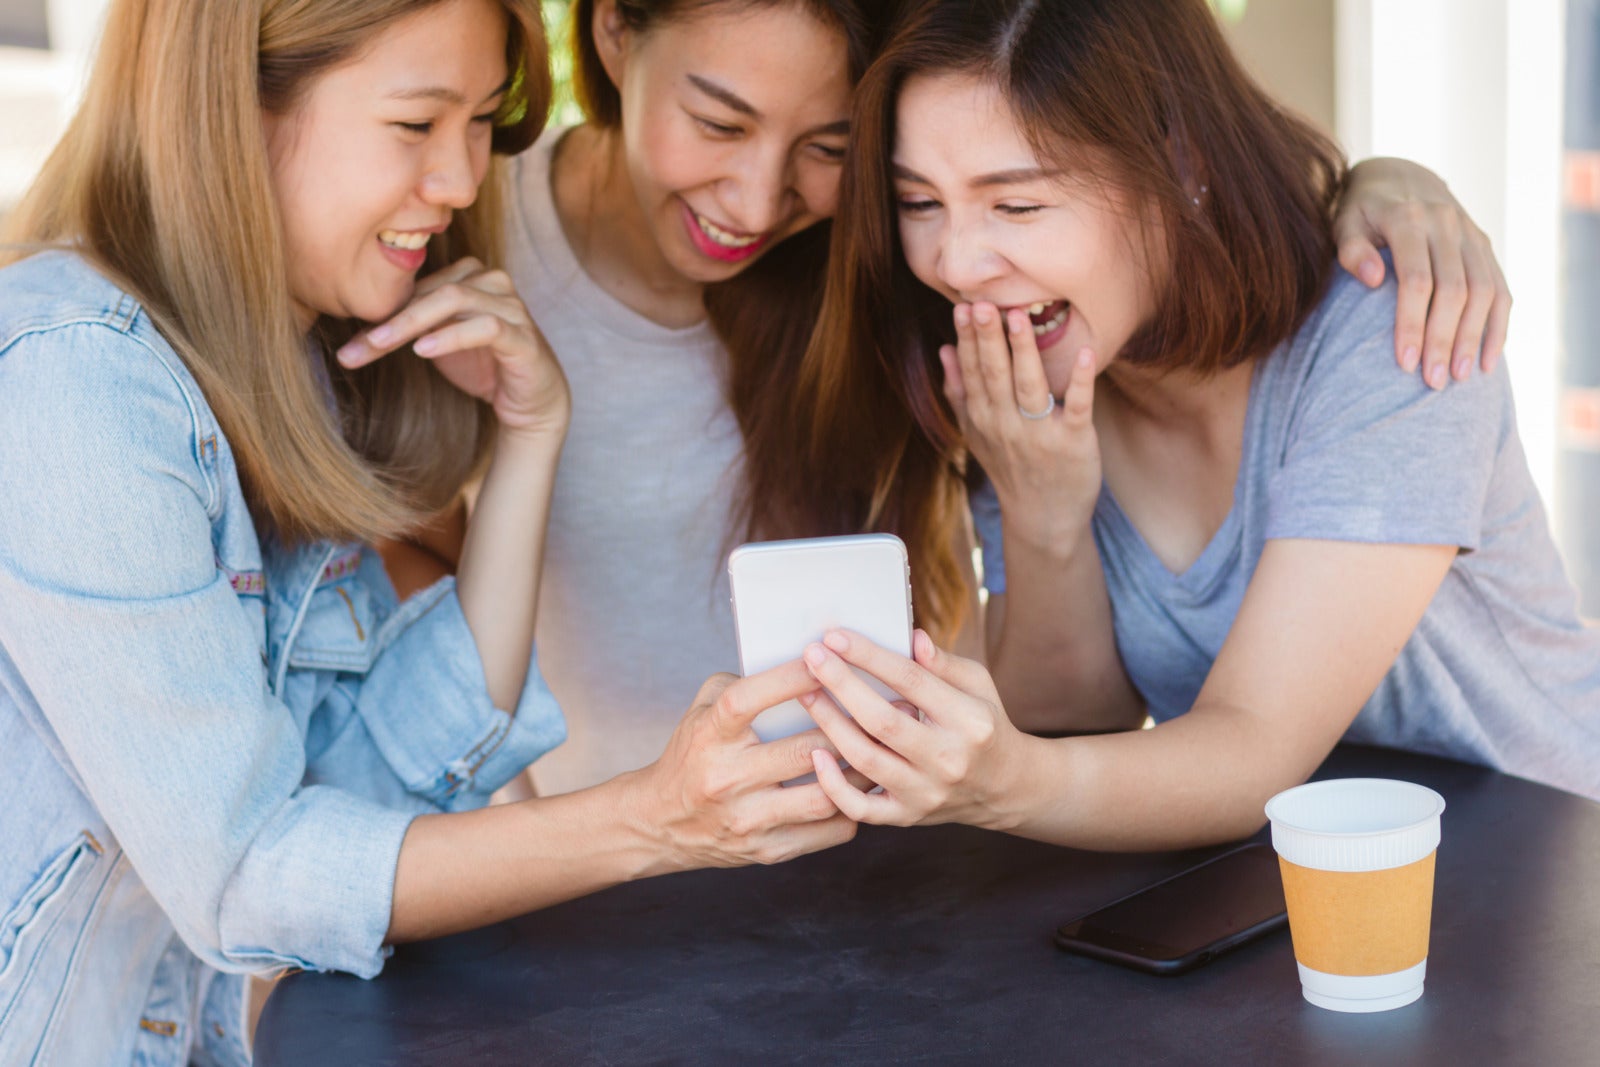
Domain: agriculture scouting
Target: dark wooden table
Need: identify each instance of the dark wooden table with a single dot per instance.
(932, 946)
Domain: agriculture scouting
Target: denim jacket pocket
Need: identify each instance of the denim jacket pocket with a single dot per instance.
(26, 929)
(32, 913)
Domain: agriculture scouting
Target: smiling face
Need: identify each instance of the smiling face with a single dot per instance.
(982, 219)
(734, 121)
(378, 153)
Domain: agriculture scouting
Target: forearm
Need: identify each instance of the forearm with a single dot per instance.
(1053, 652)
(461, 871)
(1199, 779)
(498, 580)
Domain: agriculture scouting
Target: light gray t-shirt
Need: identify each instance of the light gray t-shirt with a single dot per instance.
(633, 608)
(1341, 445)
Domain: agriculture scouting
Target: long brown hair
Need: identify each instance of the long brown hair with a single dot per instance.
(765, 317)
(162, 180)
(1151, 90)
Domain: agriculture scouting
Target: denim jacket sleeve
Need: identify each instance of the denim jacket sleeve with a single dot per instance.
(426, 705)
(150, 672)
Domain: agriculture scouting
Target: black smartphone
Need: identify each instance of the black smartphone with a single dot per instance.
(1177, 924)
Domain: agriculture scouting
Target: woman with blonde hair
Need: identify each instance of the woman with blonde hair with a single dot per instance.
(230, 748)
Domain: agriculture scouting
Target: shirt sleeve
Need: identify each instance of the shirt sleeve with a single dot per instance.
(984, 504)
(1372, 454)
(137, 652)
(426, 705)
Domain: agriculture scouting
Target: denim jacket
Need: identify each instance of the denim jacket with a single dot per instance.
(212, 744)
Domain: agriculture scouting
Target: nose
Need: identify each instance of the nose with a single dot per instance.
(968, 262)
(760, 194)
(452, 175)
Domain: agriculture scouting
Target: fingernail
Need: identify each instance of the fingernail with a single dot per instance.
(424, 345)
(807, 699)
(815, 655)
(1409, 358)
(1463, 365)
(836, 640)
(1017, 320)
(1436, 377)
(924, 644)
(381, 335)
(349, 353)
(984, 314)
(963, 314)
(1086, 359)
(1372, 272)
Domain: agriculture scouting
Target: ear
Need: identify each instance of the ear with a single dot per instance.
(611, 39)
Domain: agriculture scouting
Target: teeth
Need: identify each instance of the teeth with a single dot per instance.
(1035, 309)
(1042, 328)
(408, 242)
(721, 236)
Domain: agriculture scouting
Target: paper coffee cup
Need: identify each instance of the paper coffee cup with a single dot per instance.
(1357, 862)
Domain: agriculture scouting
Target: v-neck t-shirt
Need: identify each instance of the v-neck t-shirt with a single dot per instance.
(1342, 445)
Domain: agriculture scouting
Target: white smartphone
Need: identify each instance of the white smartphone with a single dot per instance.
(787, 594)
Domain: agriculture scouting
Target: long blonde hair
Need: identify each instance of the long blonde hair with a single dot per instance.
(162, 180)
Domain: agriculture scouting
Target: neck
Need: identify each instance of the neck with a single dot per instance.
(1177, 400)
(607, 227)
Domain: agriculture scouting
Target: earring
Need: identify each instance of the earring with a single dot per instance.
(1203, 190)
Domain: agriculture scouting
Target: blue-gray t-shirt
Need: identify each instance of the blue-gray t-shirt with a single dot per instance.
(1342, 445)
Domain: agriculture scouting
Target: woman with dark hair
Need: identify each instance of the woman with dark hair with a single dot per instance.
(673, 249)
(1205, 492)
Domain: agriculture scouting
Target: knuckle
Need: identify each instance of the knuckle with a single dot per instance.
(950, 765)
(908, 676)
(1416, 282)
(983, 732)
(1451, 290)
(727, 703)
(869, 762)
(1443, 218)
(819, 807)
(771, 854)
(1410, 213)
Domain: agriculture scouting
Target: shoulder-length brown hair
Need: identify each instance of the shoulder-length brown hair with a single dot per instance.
(1142, 95)
(162, 180)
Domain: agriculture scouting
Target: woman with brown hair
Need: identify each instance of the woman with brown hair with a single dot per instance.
(673, 248)
(229, 749)
(1205, 493)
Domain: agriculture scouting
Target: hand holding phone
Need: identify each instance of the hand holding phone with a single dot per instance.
(1191, 918)
(787, 594)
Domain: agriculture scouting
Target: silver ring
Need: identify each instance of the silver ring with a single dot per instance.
(1045, 414)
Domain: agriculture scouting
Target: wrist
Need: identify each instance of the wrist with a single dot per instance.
(1010, 802)
(638, 809)
(536, 438)
(1056, 540)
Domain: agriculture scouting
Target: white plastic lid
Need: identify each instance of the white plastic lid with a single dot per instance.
(1355, 824)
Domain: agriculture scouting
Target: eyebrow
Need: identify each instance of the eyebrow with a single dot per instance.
(744, 107)
(445, 95)
(726, 96)
(1014, 176)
